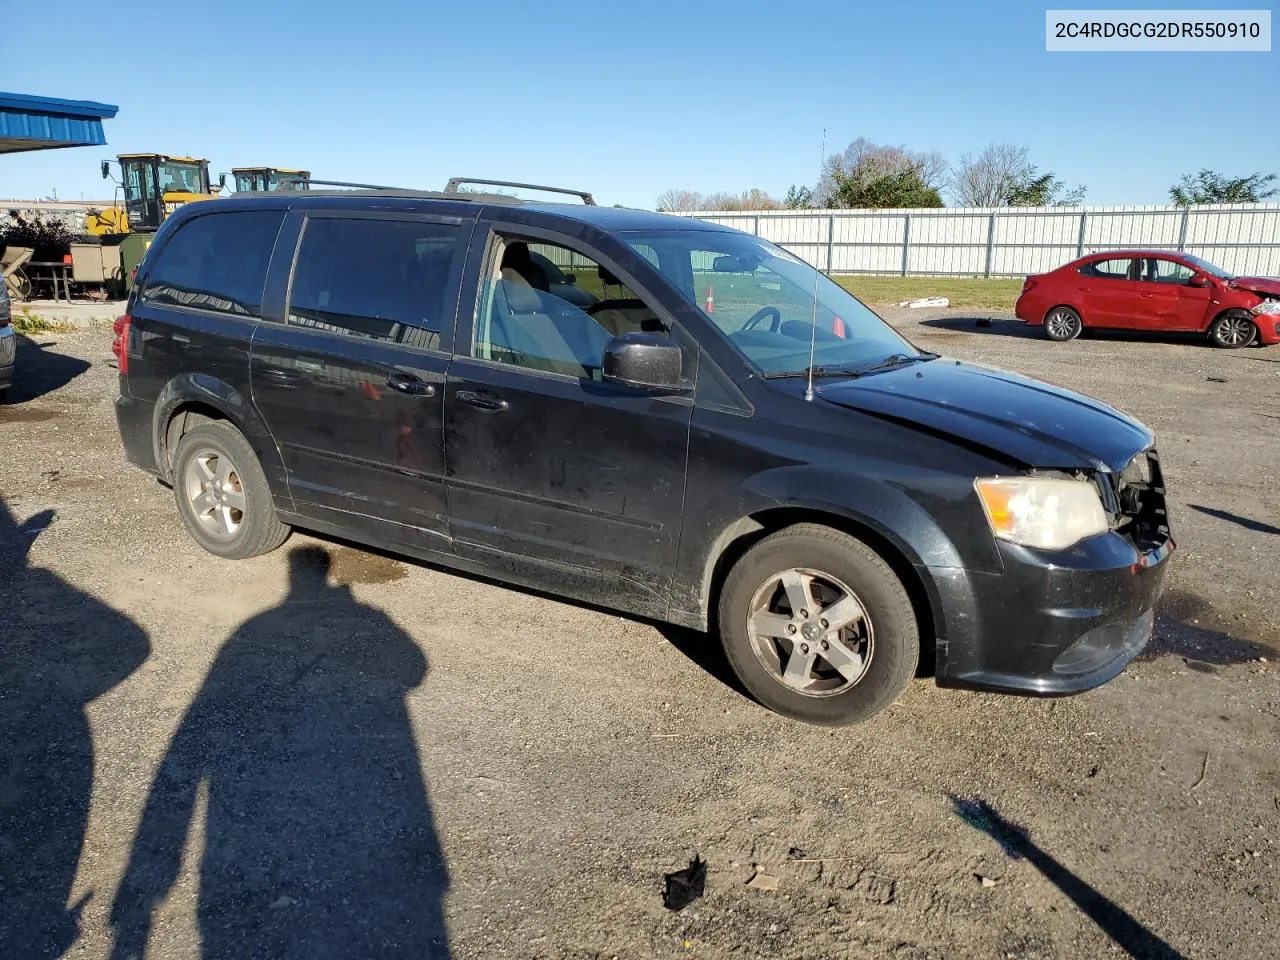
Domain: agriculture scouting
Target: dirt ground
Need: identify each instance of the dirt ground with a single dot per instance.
(327, 752)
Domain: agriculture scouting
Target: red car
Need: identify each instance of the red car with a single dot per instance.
(1152, 290)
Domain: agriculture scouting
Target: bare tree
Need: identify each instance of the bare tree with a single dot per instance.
(679, 201)
(683, 201)
(1002, 175)
(990, 178)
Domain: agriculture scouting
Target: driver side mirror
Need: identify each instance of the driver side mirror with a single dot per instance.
(106, 169)
(1198, 280)
(222, 182)
(645, 361)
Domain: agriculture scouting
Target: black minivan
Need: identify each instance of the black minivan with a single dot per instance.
(648, 413)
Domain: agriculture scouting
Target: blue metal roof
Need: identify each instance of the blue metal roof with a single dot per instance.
(42, 123)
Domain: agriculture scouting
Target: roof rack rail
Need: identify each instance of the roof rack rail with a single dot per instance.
(455, 182)
(353, 186)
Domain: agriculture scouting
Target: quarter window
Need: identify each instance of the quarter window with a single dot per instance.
(216, 262)
(385, 280)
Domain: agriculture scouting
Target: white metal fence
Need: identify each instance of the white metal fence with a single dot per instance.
(1012, 241)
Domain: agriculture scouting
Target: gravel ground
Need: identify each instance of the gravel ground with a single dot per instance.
(327, 752)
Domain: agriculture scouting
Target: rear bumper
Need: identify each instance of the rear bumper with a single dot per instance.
(1027, 309)
(134, 419)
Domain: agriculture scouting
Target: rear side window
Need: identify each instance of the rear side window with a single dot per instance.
(385, 280)
(216, 262)
(1119, 269)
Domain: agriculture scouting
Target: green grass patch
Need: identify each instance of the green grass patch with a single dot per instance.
(994, 293)
(28, 323)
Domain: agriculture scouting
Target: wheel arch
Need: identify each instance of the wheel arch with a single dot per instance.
(744, 533)
(1070, 306)
(1208, 328)
(192, 399)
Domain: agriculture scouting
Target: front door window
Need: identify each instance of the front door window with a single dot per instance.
(547, 307)
(1159, 270)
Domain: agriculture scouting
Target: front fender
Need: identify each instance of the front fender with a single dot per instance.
(872, 502)
(206, 391)
(922, 528)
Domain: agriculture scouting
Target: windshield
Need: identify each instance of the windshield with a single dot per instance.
(762, 298)
(181, 178)
(1208, 267)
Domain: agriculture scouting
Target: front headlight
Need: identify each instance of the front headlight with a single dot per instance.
(1268, 308)
(1041, 512)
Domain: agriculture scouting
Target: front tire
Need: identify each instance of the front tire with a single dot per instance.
(1062, 324)
(1233, 329)
(818, 627)
(222, 493)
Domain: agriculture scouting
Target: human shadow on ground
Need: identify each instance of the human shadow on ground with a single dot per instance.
(1116, 922)
(59, 649)
(39, 370)
(318, 835)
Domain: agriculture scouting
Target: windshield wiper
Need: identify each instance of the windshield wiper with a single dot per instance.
(804, 372)
(888, 363)
(892, 362)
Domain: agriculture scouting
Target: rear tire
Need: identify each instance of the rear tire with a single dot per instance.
(846, 654)
(1062, 324)
(1233, 329)
(222, 493)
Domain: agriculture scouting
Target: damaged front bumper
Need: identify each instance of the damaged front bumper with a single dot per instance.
(1061, 622)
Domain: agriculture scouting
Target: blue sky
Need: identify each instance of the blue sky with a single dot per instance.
(624, 99)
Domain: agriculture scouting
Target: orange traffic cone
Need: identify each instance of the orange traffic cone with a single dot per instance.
(711, 299)
(837, 327)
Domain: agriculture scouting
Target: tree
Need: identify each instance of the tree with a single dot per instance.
(873, 159)
(798, 197)
(1208, 186)
(679, 201)
(1002, 175)
(869, 186)
(684, 201)
(1045, 190)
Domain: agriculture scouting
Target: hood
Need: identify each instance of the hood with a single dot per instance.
(1023, 420)
(1268, 286)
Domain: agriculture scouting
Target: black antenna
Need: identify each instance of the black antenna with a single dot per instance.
(813, 330)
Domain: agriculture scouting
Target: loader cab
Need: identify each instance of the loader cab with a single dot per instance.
(270, 179)
(155, 185)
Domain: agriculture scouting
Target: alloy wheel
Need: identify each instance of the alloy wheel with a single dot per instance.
(1061, 324)
(212, 485)
(1235, 331)
(811, 632)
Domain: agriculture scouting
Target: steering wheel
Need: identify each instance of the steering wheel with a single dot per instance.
(760, 314)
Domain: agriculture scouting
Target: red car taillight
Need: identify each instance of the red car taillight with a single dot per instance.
(120, 346)
(1028, 284)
